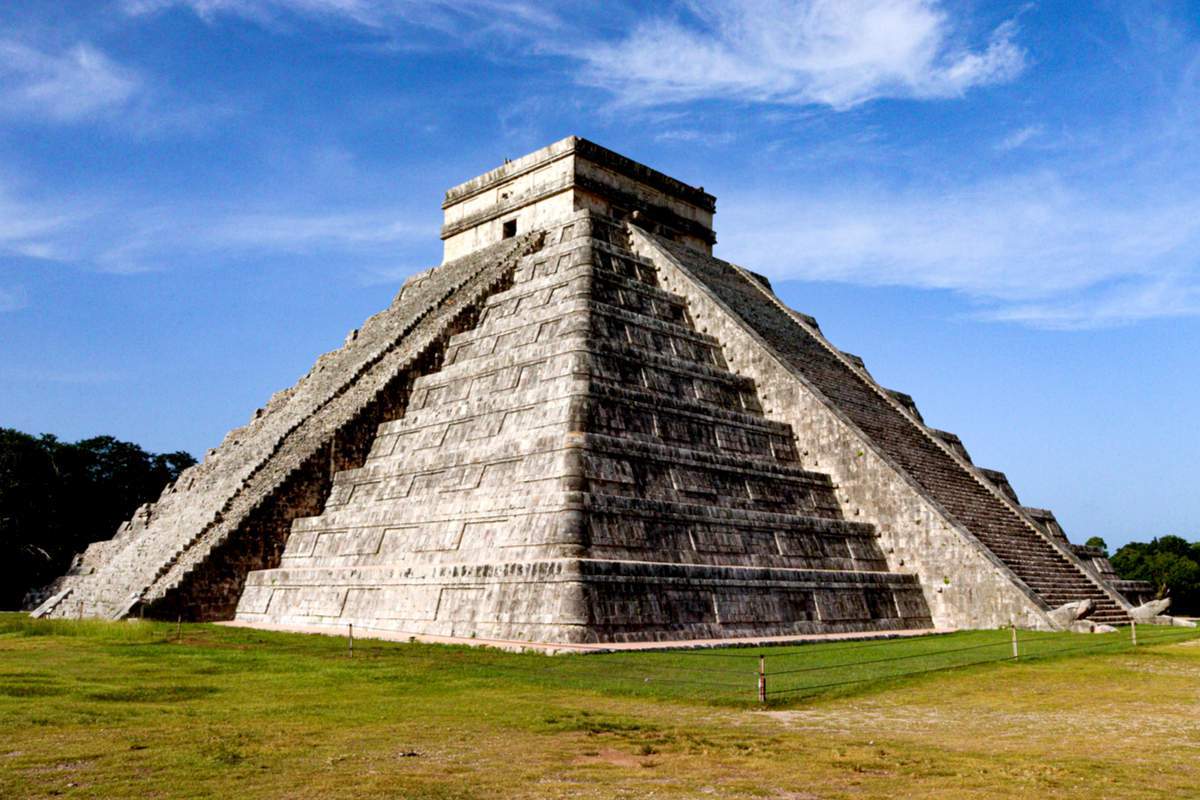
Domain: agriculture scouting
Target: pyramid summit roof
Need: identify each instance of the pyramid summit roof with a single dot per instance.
(570, 175)
(584, 149)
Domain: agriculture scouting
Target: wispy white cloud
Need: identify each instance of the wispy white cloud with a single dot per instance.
(158, 238)
(385, 17)
(1020, 137)
(315, 231)
(837, 53)
(361, 11)
(81, 84)
(128, 231)
(121, 235)
(1106, 233)
(29, 228)
(1121, 304)
(693, 136)
(69, 85)
(1033, 248)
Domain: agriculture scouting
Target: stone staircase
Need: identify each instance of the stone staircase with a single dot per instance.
(1055, 578)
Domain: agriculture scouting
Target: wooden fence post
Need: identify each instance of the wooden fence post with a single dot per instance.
(1016, 652)
(762, 679)
(1133, 630)
(350, 636)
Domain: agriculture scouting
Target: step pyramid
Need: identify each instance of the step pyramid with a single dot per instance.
(584, 467)
(583, 427)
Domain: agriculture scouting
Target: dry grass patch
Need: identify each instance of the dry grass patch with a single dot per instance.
(121, 711)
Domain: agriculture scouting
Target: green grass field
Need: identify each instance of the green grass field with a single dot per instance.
(90, 709)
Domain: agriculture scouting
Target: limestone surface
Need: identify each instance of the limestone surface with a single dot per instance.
(1150, 610)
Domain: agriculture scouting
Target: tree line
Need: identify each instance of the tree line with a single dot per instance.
(57, 497)
(1170, 563)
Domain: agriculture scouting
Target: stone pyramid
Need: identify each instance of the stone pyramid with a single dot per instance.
(582, 427)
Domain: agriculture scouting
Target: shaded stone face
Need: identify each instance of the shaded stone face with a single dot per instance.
(582, 427)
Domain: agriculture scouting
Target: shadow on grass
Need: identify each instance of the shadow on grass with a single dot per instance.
(153, 694)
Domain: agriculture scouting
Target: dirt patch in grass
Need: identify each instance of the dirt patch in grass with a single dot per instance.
(608, 755)
(594, 724)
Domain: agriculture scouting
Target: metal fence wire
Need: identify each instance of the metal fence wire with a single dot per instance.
(817, 678)
(742, 675)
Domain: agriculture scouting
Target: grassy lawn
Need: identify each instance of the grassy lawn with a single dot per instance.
(114, 710)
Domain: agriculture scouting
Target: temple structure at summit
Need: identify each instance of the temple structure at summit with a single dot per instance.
(583, 428)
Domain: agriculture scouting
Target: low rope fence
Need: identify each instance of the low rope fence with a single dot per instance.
(732, 675)
(794, 681)
(744, 676)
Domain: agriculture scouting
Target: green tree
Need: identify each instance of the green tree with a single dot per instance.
(29, 514)
(1170, 563)
(58, 497)
(1096, 541)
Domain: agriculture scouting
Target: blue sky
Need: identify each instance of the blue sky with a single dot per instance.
(995, 204)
